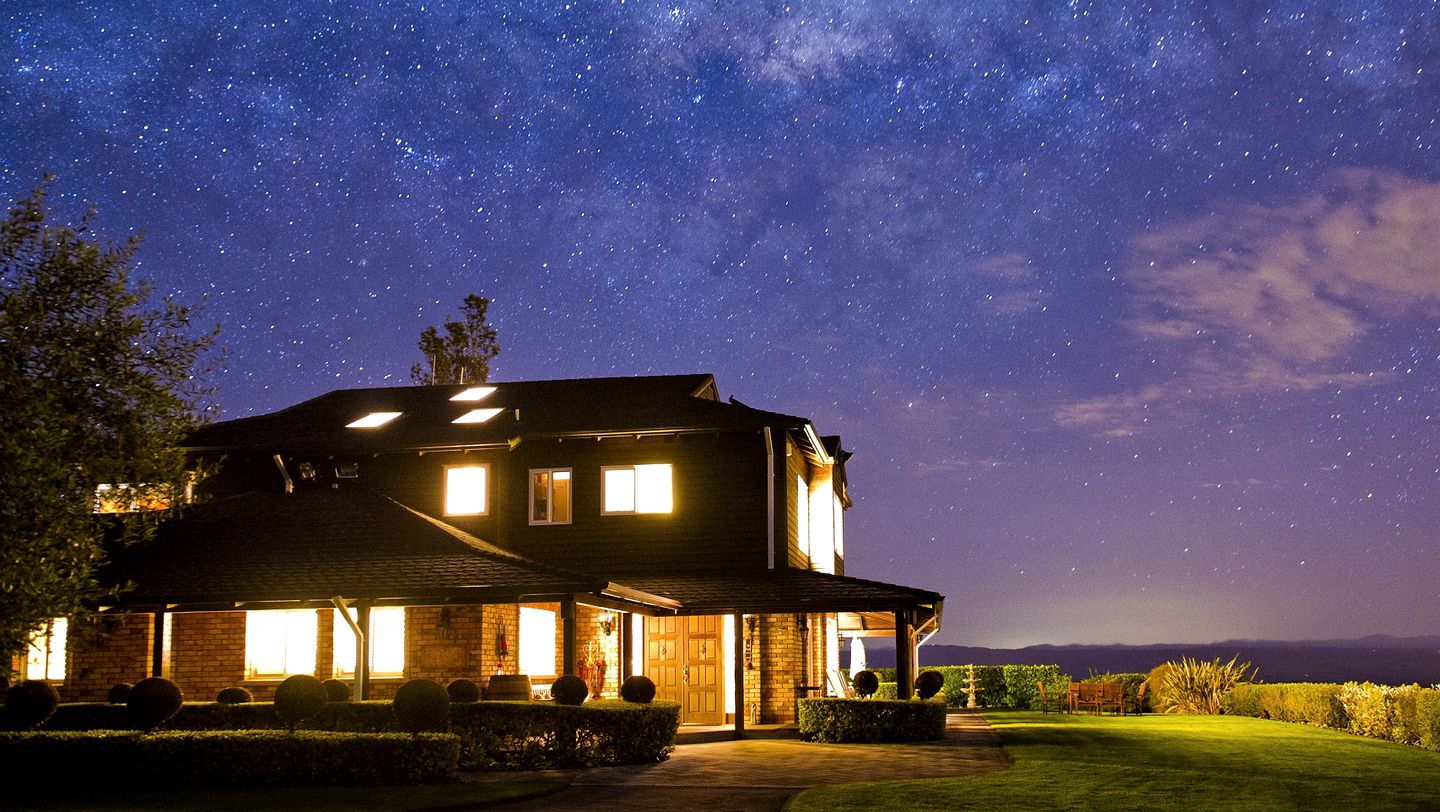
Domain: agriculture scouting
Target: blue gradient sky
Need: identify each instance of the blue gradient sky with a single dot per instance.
(1129, 311)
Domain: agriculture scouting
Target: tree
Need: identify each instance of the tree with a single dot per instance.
(97, 387)
(463, 353)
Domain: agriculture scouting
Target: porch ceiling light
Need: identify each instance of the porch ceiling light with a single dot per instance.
(477, 415)
(474, 393)
(373, 420)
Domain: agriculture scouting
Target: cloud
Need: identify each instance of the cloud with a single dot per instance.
(1255, 299)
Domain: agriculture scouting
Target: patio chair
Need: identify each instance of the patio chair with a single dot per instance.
(1046, 700)
(1137, 702)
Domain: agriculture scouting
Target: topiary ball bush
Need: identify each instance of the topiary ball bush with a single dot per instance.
(152, 702)
(569, 690)
(233, 696)
(336, 691)
(29, 704)
(463, 690)
(866, 683)
(638, 688)
(929, 683)
(421, 705)
(298, 698)
(118, 693)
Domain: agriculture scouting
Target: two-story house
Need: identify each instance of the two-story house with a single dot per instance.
(538, 527)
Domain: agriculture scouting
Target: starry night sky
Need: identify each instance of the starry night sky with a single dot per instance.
(1129, 311)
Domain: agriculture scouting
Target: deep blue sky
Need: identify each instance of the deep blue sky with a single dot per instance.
(1129, 311)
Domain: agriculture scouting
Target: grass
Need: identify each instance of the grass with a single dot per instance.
(1164, 762)
(447, 797)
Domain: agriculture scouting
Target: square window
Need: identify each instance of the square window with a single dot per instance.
(537, 641)
(550, 496)
(280, 642)
(387, 643)
(637, 489)
(466, 490)
(45, 656)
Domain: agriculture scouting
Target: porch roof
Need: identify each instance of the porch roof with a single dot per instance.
(786, 590)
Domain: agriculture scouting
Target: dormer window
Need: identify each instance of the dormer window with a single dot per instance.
(636, 489)
(373, 420)
(474, 393)
(477, 415)
(467, 490)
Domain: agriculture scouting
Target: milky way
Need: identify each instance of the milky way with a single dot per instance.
(1129, 311)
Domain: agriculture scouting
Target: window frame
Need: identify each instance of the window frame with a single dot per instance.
(550, 497)
(43, 642)
(635, 510)
(337, 624)
(252, 675)
(520, 640)
(445, 490)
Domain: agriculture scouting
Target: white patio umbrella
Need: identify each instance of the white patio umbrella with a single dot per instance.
(857, 656)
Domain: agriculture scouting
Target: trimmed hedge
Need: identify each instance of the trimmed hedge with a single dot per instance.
(1408, 714)
(492, 734)
(230, 758)
(835, 719)
(996, 686)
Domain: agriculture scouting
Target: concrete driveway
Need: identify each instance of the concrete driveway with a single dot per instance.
(763, 771)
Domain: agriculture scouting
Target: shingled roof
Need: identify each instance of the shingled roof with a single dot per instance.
(783, 590)
(588, 406)
(312, 545)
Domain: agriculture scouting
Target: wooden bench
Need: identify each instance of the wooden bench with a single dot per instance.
(1097, 697)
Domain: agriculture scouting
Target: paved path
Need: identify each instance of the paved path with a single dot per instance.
(761, 773)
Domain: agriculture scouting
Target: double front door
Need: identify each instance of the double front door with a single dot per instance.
(682, 656)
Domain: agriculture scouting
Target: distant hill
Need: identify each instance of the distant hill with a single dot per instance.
(1382, 659)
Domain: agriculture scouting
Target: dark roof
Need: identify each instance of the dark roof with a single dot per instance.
(587, 406)
(783, 590)
(312, 545)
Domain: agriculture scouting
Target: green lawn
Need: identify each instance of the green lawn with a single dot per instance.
(1164, 762)
(448, 797)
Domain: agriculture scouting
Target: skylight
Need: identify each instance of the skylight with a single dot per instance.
(373, 420)
(477, 415)
(474, 393)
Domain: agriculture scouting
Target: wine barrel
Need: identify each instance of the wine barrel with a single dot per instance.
(508, 686)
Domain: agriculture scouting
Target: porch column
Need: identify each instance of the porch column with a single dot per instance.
(739, 675)
(567, 620)
(627, 643)
(157, 643)
(362, 651)
(904, 654)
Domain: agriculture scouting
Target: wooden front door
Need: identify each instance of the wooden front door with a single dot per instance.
(682, 656)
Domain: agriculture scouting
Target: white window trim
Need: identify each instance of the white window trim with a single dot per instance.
(636, 511)
(445, 490)
(530, 508)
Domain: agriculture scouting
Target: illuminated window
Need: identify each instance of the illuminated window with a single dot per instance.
(537, 641)
(45, 656)
(280, 642)
(550, 496)
(637, 489)
(473, 394)
(387, 643)
(477, 415)
(838, 512)
(802, 515)
(466, 490)
(125, 498)
(373, 420)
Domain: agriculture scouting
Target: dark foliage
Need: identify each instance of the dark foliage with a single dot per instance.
(638, 688)
(569, 690)
(929, 683)
(421, 705)
(866, 683)
(463, 690)
(336, 691)
(233, 696)
(29, 704)
(298, 698)
(118, 693)
(152, 702)
(831, 719)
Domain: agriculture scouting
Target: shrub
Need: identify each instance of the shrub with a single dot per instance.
(866, 683)
(233, 696)
(929, 683)
(887, 690)
(29, 704)
(1021, 685)
(1367, 705)
(1427, 718)
(1308, 703)
(570, 690)
(639, 688)
(230, 758)
(543, 735)
(1196, 686)
(834, 719)
(298, 698)
(152, 702)
(421, 705)
(118, 693)
(336, 691)
(463, 690)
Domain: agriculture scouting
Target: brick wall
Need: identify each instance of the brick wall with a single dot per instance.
(103, 652)
(782, 667)
(590, 636)
(205, 653)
